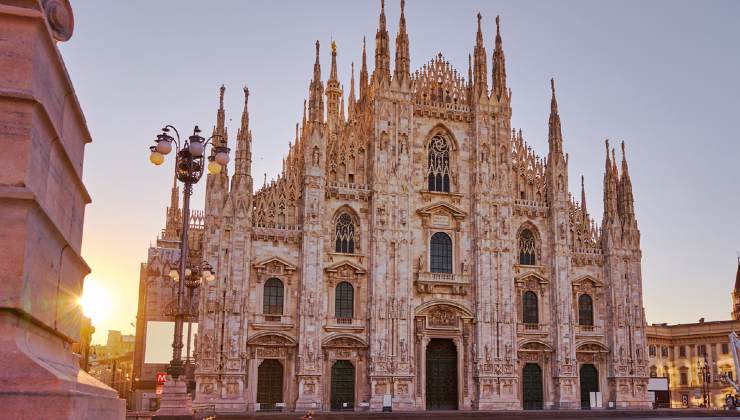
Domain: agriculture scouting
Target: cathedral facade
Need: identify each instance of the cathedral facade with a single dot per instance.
(416, 253)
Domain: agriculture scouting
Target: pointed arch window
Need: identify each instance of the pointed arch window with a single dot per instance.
(527, 248)
(530, 308)
(440, 260)
(344, 301)
(438, 171)
(272, 302)
(344, 235)
(585, 310)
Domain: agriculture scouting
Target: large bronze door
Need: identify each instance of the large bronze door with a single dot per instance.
(589, 378)
(441, 377)
(342, 385)
(532, 387)
(269, 384)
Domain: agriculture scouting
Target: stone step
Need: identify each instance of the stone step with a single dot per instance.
(494, 415)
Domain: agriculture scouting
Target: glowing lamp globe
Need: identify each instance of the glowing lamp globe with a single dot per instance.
(214, 168)
(196, 148)
(156, 158)
(164, 147)
(222, 158)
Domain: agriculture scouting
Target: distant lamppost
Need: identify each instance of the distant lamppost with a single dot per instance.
(189, 166)
(706, 375)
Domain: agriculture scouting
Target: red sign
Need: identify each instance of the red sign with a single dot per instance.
(161, 378)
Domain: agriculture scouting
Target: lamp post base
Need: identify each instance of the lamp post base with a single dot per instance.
(175, 403)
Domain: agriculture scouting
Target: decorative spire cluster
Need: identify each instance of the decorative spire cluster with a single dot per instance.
(402, 70)
(382, 70)
(618, 197)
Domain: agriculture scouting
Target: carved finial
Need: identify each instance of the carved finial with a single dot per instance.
(221, 96)
(498, 29)
(246, 95)
(479, 19)
(317, 50)
(333, 47)
(552, 86)
(403, 5)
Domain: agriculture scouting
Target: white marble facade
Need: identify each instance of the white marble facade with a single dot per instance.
(416, 245)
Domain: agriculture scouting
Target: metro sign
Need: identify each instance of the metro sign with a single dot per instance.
(161, 378)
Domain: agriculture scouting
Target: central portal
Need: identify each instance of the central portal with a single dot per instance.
(441, 377)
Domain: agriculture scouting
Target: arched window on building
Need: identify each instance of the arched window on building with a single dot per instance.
(344, 235)
(344, 301)
(585, 310)
(438, 170)
(272, 302)
(527, 248)
(440, 253)
(530, 308)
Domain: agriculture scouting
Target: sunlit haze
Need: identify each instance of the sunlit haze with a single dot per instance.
(660, 75)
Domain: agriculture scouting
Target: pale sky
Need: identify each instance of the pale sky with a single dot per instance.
(660, 75)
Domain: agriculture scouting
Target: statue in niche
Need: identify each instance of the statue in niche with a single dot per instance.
(420, 263)
(316, 156)
(234, 346)
(487, 349)
(404, 349)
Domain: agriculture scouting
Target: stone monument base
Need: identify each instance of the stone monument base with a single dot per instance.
(175, 403)
(40, 377)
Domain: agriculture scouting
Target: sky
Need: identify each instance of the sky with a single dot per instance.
(660, 75)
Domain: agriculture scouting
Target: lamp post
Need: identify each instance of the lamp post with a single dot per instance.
(704, 371)
(189, 166)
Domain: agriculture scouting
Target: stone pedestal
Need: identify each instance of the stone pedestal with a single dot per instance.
(42, 205)
(175, 404)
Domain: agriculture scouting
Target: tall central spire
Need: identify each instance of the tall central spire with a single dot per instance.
(382, 52)
(555, 136)
(499, 65)
(316, 92)
(480, 67)
(402, 48)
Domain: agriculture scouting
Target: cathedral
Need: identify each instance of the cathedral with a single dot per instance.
(416, 254)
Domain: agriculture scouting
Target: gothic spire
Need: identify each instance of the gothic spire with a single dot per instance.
(583, 200)
(610, 189)
(316, 93)
(351, 99)
(382, 54)
(499, 65)
(243, 159)
(480, 68)
(402, 48)
(220, 129)
(363, 71)
(333, 90)
(555, 135)
(625, 183)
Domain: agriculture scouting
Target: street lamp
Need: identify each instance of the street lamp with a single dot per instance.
(705, 372)
(189, 165)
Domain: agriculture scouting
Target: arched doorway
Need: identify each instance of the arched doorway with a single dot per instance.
(441, 374)
(589, 378)
(342, 385)
(269, 384)
(532, 387)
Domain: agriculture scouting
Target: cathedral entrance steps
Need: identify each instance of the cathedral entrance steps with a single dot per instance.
(495, 415)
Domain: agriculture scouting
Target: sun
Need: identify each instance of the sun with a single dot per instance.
(95, 301)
